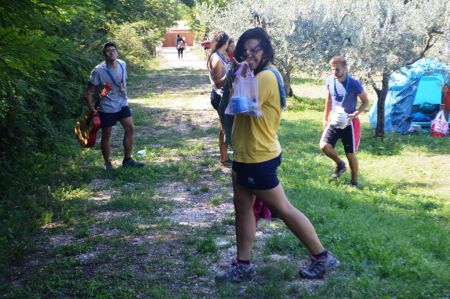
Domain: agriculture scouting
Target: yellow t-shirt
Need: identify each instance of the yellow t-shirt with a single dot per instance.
(255, 139)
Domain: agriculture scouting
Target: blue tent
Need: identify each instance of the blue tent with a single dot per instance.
(414, 95)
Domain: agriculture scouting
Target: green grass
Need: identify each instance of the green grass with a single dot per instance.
(296, 80)
(391, 234)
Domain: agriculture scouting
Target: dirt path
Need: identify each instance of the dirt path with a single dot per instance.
(182, 116)
(190, 59)
(162, 231)
(194, 210)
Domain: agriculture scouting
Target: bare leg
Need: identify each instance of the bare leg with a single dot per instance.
(128, 137)
(106, 150)
(223, 147)
(245, 221)
(297, 222)
(329, 150)
(353, 161)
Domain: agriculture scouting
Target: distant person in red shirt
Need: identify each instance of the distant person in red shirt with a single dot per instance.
(206, 44)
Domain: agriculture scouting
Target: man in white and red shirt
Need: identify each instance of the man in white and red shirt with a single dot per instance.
(343, 92)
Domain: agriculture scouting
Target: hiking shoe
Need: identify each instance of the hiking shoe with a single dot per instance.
(132, 163)
(319, 266)
(236, 272)
(108, 166)
(352, 184)
(340, 169)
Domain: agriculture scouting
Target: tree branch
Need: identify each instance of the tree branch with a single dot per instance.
(372, 82)
(430, 41)
(343, 18)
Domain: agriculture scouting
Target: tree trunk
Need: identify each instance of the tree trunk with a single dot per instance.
(287, 82)
(381, 95)
(285, 68)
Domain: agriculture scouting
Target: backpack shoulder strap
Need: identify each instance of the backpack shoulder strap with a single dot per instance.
(280, 85)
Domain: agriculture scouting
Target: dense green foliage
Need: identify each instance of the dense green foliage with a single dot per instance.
(47, 49)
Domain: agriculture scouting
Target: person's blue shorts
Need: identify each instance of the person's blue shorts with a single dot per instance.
(110, 119)
(259, 176)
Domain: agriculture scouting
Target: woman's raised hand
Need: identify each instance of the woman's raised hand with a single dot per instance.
(242, 67)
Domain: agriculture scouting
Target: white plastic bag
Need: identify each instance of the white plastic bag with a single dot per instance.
(439, 126)
(339, 119)
(244, 98)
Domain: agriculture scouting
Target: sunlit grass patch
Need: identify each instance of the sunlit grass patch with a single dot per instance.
(394, 227)
(301, 104)
(297, 79)
(282, 244)
(217, 200)
(68, 192)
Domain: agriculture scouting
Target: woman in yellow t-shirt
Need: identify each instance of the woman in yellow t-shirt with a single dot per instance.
(257, 154)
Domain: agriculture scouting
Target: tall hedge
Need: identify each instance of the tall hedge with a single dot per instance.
(47, 48)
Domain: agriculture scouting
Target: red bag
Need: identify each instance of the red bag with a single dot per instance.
(439, 126)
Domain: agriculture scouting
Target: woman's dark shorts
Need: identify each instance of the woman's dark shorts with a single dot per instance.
(215, 99)
(258, 176)
(110, 119)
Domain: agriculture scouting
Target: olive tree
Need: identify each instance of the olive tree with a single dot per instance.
(379, 37)
(277, 17)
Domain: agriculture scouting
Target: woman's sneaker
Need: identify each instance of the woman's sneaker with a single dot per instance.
(236, 272)
(108, 166)
(319, 266)
(340, 169)
(132, 163)
(352, 184)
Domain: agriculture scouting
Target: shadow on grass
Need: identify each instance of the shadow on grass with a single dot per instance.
(47, 193)
(168, 80)
(128, 264)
